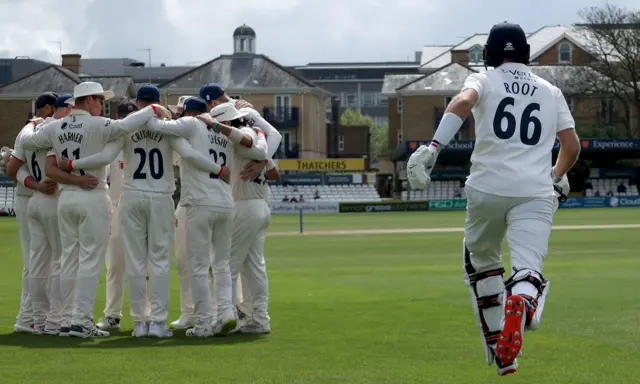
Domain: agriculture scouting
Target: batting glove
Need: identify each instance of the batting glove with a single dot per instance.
(420, 165)
(561, 186)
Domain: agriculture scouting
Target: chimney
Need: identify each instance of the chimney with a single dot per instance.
(71, 61)
(418, 56)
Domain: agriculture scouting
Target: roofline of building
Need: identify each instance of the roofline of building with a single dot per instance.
(321, 92)
(56, 67)
(436, 70)
(404, 64)
(555, 41)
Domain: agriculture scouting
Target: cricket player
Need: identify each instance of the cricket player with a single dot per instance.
(250, 223)
(215, 95)
(45, 249)
(146, 212)
(115, 254)
(84, 216)
(209, 203)
(45, 107)
(510, 189)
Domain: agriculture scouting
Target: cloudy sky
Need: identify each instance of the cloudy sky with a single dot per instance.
(292, 32)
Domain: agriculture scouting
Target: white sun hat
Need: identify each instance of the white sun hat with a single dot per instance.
(89, 88)
(181, 100)
(226, 112)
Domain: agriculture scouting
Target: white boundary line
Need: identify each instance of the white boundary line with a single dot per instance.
(343, 232)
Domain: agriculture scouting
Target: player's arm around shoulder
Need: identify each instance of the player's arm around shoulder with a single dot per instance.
(273, 136)
(182, 127)
(259, 149)
(103, 158)
(192, 156)
(113, 129)
(41, 139)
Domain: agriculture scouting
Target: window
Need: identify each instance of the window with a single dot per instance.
(607, 112)
(341, 143)
(447, 100)
(282, 104)
(236, 97)
(106, 109)
(399, 106)
(368, 99)
(250, 43)
(242, 45)
(382, 99)
(352, 99)
(399, 138)
(328, 104)
(564, 53)
(475, 54)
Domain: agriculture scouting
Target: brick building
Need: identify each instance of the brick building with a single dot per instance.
(17, 99)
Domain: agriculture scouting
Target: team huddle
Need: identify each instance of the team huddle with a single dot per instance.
(92, 189)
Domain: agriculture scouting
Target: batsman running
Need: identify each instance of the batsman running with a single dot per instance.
(510, 190)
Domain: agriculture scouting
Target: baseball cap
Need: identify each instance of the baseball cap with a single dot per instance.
(211, 92)
(126, 107)
(47, 98)
(195, 104)
(149, 93)
(61, 102)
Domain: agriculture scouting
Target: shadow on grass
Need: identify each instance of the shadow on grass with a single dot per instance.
(120, 339)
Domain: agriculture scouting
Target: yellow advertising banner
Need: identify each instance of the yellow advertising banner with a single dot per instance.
(321, 165)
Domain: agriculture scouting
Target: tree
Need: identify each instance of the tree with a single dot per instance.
(379, 141)
(612, 36)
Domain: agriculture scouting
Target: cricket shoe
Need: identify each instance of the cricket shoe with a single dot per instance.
(23, 328)
(160, 330)
(183, 322)
(504, 370)
(140, 330)
(255, 328)
(225, 325)
(109, 322)
(51, 331)
(64, 331)
(200, 331)
(512, 336)
(85, 332)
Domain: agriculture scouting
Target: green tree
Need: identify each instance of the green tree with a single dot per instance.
(379, 141)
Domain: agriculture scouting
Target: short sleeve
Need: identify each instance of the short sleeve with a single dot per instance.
(18, 152)
(51, 152)
(565, 119)
(476, 82)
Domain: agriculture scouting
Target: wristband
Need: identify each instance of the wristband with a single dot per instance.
(260, 132)
(29, 178)
(435, 144)
(221, 169)
(153, 106)
(70, 164)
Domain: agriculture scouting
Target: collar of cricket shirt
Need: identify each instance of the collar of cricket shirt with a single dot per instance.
(79, 112)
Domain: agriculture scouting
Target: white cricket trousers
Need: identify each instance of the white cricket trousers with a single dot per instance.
(115, 268)
(147, 225)
(207, 228)
(44, 261)
(250, 223)
(526, 221)
(184, 272)
(83, 219)
(25, 315)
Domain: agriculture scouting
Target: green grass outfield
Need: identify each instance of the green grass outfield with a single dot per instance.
(371, 308)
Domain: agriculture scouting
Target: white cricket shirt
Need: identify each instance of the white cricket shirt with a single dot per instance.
(148, 162)
(517, 117)
(80, 135)
(256, 189)
(199, 187)
(20, 154)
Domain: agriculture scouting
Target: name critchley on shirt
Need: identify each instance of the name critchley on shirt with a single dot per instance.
(146, 134)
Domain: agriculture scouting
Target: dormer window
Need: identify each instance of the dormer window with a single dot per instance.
(475, 54)
(564, 53)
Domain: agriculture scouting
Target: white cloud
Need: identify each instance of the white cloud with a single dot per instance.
(290, 31)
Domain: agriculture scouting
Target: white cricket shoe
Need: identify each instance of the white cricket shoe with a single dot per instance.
(183, 322)
(109, 322)
(140, 330)
(200, 331)
(51, 331)
(85, 332)
(64, 331)
(255, 328)
(23, 328)
(507, 369)
(159, 330)
(225, 325)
